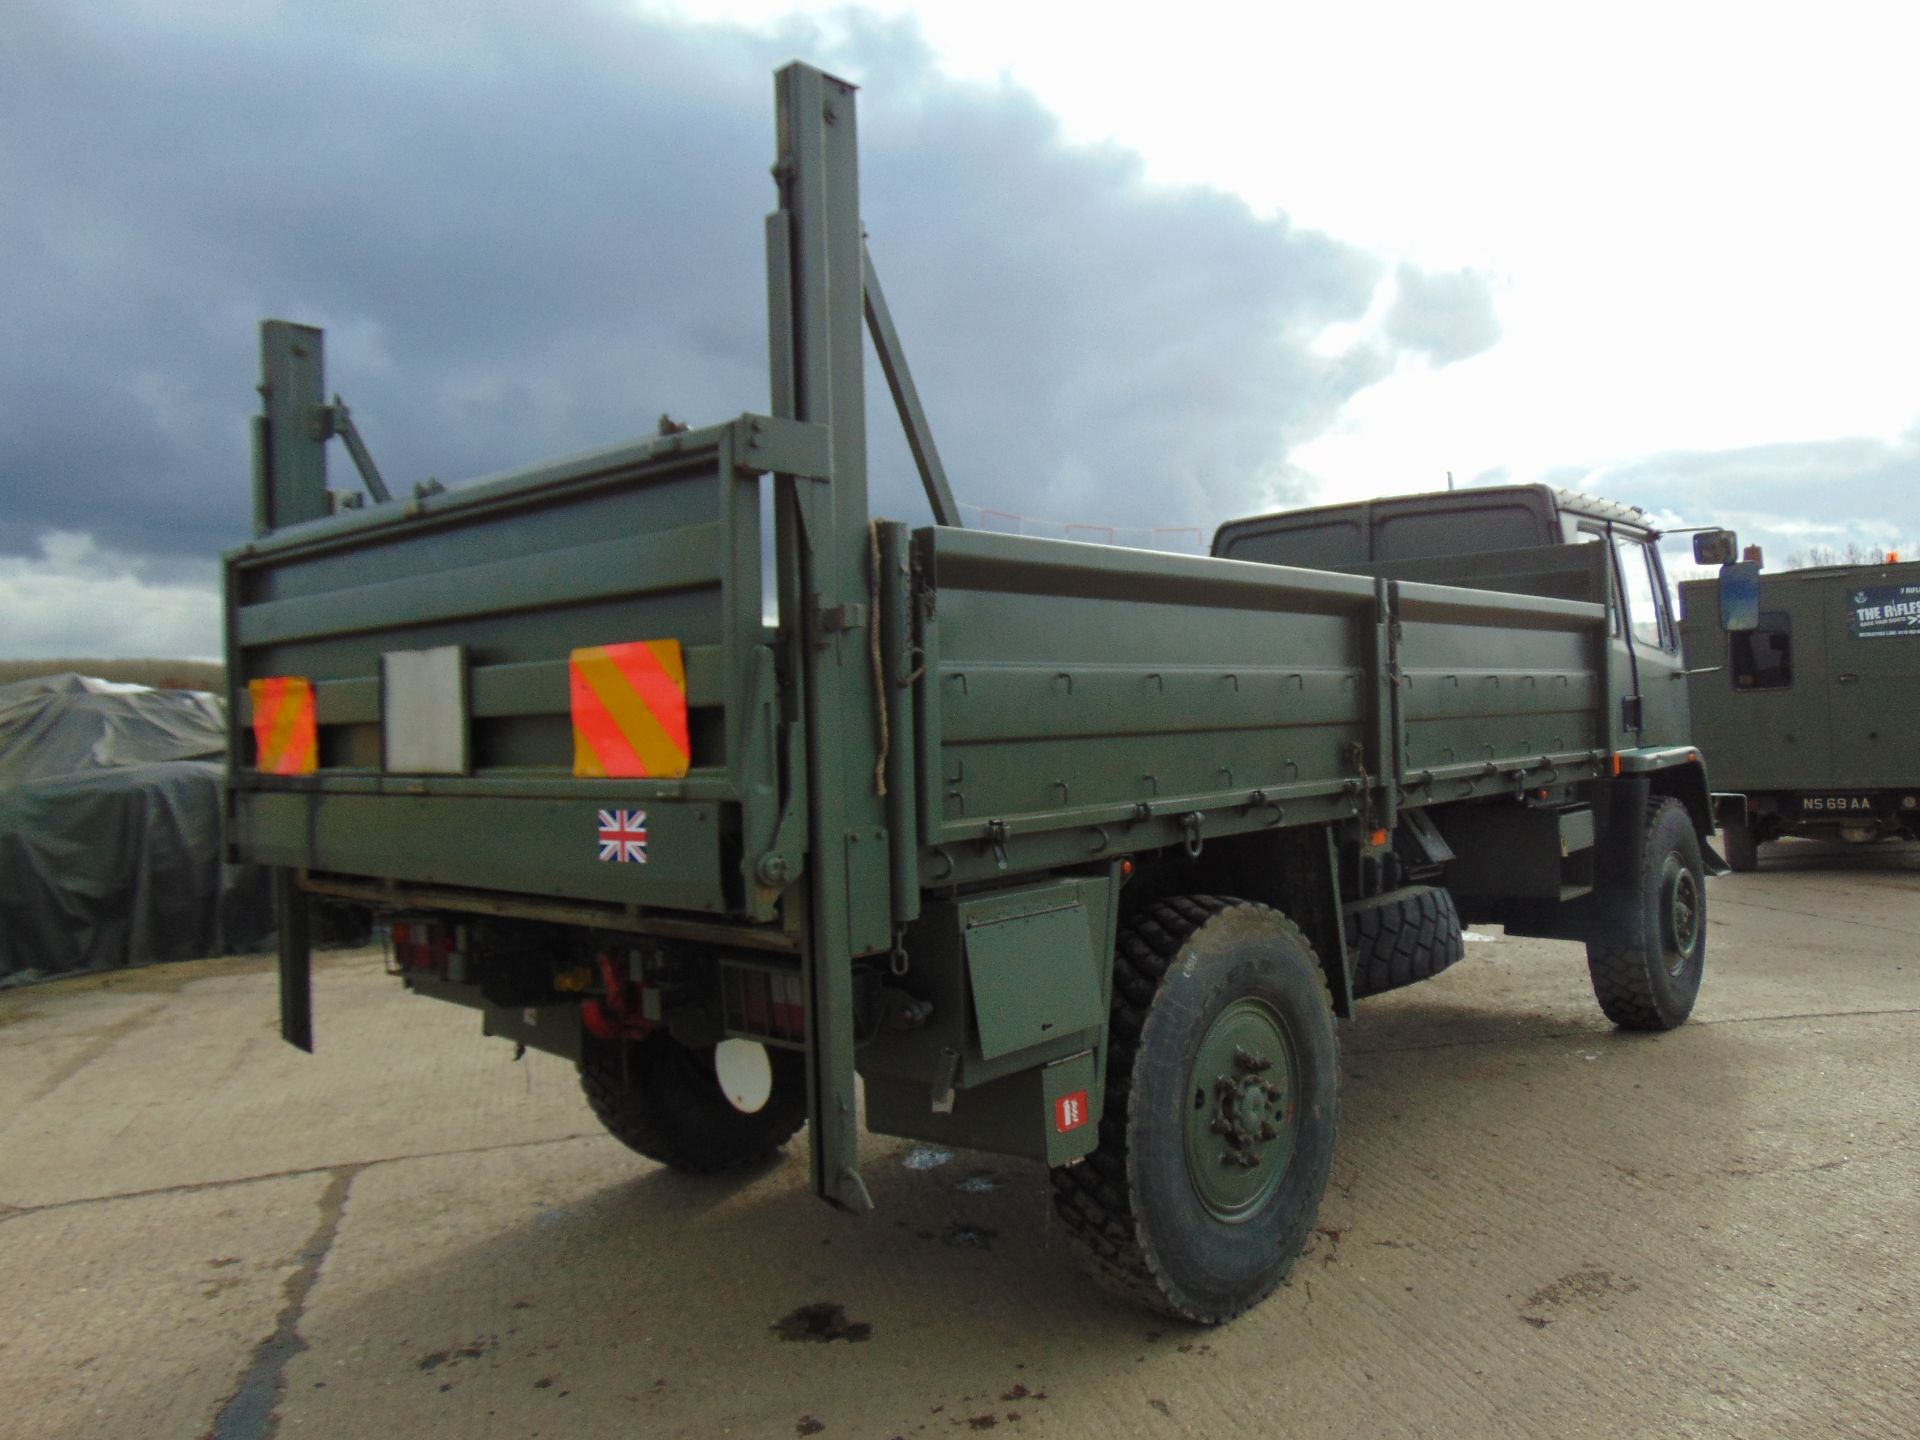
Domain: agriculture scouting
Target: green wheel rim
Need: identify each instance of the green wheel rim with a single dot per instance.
(1681, 913)
(1242, 1110)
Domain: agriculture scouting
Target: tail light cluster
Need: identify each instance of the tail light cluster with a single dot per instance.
(763, 1002)
(430, 947)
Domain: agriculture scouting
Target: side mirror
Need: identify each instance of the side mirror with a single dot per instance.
(1739, 596)
(1715, 547)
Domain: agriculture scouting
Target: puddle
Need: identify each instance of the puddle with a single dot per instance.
(969, 1237)
(981, 1182)
(925, 1157)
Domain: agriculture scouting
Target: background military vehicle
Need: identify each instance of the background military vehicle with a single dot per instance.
(1065, 851)
(1810, 720)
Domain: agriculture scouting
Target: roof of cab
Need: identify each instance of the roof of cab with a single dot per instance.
(1568, 500)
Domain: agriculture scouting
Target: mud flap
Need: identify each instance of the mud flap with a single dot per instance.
(1716, 865)
(296, 960)
(1620, 811)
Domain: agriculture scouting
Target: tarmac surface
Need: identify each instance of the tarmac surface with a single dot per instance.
(1536, 1225)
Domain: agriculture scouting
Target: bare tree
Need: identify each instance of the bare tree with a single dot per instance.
(1816, 557)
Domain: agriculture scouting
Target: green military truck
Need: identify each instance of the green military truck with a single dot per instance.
(1809, 719)
(1065, 851)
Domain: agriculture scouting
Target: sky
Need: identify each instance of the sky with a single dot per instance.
(1151, 275)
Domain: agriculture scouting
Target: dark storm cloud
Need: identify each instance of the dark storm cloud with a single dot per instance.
(529, 232)
(519, 235)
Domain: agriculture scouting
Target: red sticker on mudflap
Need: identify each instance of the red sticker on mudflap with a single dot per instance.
(1070, 1111)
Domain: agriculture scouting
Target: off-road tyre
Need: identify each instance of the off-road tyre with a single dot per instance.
(1404, 936)
(663, 1100)
(1183, 968)
(1742, 849)
(1649, 954)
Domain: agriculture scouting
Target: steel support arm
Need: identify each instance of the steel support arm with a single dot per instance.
(906, 399)
(341, 420)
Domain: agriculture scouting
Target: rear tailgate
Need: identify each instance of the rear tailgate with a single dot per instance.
(458, 768)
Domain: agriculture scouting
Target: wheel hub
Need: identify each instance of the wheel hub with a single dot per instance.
(1241, 1121)
(1682, 915)
(1243, 1109)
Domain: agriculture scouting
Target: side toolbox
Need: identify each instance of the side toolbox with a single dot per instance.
(1011, 1058)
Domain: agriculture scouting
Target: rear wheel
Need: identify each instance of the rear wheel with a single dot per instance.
(1647, 963)
(1743, 850)
(1222, 1105)
(664, 1100)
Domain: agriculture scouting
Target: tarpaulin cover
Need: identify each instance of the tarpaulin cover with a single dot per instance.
(66, 724)
(110, 830)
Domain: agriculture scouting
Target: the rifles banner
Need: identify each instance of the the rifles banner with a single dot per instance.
(1881, 610)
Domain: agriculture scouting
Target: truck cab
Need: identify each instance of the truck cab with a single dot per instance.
(1484, 537)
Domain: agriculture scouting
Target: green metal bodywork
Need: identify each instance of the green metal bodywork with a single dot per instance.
(943, 759)
(1490, 537)
(1832, 716)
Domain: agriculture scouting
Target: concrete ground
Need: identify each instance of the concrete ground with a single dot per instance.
(1536, 1225)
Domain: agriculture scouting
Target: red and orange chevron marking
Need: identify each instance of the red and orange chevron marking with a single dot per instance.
(630, 710)
(286, 736)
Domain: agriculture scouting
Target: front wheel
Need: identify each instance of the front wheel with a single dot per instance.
(1221, 1110)
(1647, 963)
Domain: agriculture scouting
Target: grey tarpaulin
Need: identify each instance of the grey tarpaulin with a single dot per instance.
(110, 830)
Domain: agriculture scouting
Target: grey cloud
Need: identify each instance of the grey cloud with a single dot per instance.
(1446, 317)
(529, 233)
(1786, 496)
(74, 599)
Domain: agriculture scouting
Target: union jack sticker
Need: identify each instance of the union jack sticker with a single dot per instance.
(623, 836)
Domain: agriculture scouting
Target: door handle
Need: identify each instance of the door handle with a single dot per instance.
(1849, 678)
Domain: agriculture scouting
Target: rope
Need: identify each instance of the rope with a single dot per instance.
(879, 668)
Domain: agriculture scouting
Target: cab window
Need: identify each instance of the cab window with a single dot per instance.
(1589, 535)
(1762, 658)
(1317, 547)
(1423, 534)
(1640, 589)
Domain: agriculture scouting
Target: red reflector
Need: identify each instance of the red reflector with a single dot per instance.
(789, 1008)
(1070, 1111)
(754, 1001)
(772, 1004)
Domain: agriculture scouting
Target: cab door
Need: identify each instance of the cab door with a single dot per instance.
(1655, 676)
